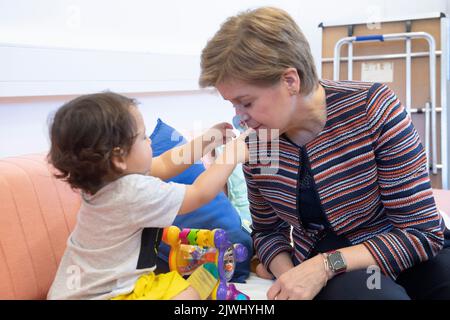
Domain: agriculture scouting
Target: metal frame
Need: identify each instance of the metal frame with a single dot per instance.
(445, 99)
(430, 107)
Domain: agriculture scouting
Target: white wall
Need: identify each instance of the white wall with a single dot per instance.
(176, 26)
(24, 121)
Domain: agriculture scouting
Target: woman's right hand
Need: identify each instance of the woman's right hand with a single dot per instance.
(302, 282)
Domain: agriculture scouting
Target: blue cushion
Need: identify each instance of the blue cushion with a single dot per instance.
(219, 213)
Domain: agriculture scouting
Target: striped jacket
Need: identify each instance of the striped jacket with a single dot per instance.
(370, 171)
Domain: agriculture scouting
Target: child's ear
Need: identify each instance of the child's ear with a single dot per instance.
(118, 159)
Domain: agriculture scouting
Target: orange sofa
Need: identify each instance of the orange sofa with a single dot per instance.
(37, 214)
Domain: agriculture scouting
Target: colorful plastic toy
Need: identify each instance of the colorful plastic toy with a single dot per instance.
(191, 248)
(239, 123)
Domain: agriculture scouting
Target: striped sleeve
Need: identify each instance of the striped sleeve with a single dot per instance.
(271, 235)
(405, 189)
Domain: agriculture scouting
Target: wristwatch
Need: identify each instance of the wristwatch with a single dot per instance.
(336, 262)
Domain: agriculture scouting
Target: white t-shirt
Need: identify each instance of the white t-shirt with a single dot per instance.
(116, 237)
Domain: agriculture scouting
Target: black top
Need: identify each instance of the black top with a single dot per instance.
(310, 210)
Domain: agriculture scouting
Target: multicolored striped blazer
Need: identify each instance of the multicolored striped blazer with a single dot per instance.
(370, 170)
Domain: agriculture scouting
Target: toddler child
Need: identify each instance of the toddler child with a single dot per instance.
(99, 146)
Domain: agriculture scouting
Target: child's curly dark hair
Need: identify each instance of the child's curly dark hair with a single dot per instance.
(84, 132)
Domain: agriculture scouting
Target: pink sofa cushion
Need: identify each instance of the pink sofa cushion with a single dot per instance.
(442, 198)
(37, 214)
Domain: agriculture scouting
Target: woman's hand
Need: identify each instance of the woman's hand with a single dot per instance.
(303, 282)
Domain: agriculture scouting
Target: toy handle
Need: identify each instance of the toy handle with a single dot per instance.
(375, 37)
(221, 239)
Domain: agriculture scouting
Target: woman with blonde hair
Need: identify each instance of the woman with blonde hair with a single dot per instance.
(349, 192)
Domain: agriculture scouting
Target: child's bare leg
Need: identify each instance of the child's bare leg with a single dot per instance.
(188, 294)
(202, 282)
(262, 272)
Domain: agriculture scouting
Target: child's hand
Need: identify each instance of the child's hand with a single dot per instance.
(236, 151)
(218, 135)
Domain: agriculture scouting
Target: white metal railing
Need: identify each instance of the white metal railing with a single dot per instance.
(430, 107)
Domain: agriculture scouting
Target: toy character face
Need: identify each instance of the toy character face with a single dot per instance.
(229, 263)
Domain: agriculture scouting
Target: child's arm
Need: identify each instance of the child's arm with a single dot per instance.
(211, 182)
(176, 160)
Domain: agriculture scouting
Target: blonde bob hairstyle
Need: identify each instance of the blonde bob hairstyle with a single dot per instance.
(256, 47)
